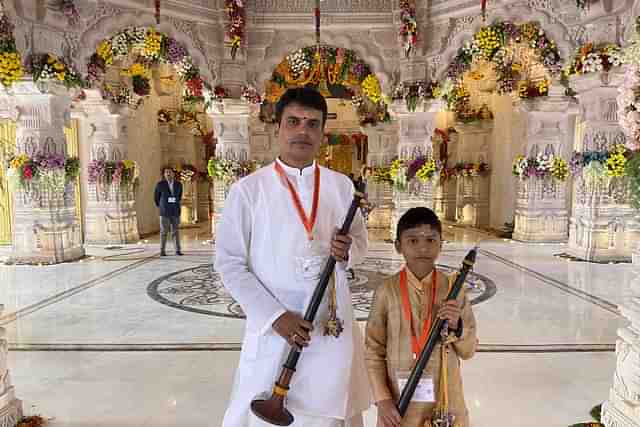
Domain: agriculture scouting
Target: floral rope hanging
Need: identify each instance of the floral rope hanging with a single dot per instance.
(10, 59)
(408, 26)
(157, 11)
(235, 31)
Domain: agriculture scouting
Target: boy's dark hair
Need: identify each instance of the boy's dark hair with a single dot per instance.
(416, 217)
(304, 96)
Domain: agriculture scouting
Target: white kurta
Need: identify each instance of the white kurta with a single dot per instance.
(260, 242)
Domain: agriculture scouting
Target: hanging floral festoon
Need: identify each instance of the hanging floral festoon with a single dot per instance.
(157, 11)
(10, 59)
(147, 47)
(235, 31)
(408, 26)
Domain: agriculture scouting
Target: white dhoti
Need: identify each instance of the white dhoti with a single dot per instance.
(307, 421)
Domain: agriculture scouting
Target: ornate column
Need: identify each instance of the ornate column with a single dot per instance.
(542, 205)
(414, 140)
(444, 195)
(46, 229)
(10, 406)
(382, 146)
(231, 128)
(110, 212)
(603, 225)
(472, 192)
(621, 409)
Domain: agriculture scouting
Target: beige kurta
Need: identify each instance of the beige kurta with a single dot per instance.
(388, 345)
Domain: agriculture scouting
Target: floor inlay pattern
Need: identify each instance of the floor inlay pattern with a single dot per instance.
(200, 289)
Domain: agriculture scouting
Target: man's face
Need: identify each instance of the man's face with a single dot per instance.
(300, 133)
(168, 174)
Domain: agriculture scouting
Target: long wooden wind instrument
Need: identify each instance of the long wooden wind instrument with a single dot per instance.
(272, 410)
(434, 335)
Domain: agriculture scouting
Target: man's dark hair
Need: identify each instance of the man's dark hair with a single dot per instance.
(416, 217)
(305, 97)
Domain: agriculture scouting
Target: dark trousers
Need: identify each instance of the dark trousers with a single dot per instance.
(170, 224)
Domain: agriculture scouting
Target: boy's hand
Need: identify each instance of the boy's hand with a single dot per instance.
(451, 312)
(388, 415)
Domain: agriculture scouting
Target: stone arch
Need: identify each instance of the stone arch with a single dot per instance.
(456, 38)
(108, 27)
(275, 53)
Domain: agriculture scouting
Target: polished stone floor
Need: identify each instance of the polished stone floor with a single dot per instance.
(125, 338)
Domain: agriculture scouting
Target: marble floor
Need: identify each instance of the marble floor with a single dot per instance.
(125, 338)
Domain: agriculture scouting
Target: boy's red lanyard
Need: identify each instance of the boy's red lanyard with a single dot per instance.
(416, 345)
(307, 222)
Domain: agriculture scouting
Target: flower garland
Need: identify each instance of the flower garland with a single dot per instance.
(53, 171)
(590, 58)
(346, 75)
(542, 166)
(629, 93)
(408, 26)
(48, 67)
(10, 60)
(235, 31)
(491, 42)
(122, 173)
(465, 170)
(150, 48)
(229, 171)
(528, 89)
(600, 165)
(250, 95)
(415, 92)
(382, 175)
(187, 173)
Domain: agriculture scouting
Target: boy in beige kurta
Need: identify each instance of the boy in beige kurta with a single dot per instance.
(393, 342)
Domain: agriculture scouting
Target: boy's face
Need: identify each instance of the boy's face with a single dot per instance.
(420, 247)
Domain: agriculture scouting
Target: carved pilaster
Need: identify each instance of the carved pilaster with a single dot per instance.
(231, 128)
(542, 205)
(414, 140)
(10, 407)
(382, 145)
(621, 409)
(46, 229)
(603, 225)
(110, 214)
(472, 193)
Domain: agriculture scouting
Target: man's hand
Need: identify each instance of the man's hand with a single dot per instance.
(451, 312)
(388, 415)
(294, 329)
(340, 246)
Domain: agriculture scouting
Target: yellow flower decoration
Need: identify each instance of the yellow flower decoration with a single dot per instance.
(371, 88)
(516, 67)
(488, 41)
(128, 164)
(136, 69)
(58, 66)
(61, 76)
(152, 43)
(105, 51)
(616, 164)
(427, 171)
(10, 68)
(559, 169)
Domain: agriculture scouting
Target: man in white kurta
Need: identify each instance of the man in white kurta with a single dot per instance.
(271, 267)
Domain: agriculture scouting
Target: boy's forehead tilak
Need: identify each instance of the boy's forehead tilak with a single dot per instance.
(423, 233)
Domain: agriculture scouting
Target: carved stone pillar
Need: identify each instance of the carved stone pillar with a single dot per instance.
(603, 225)
(542, 205)
(231, 128)
(110, 212)
(414, 140)
(621, 409)
(444, 195)
(10, 406)
(472, 192)
(46, 229)
(382, 146)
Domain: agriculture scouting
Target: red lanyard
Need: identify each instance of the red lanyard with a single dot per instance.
(307, 222)
(416, 345)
